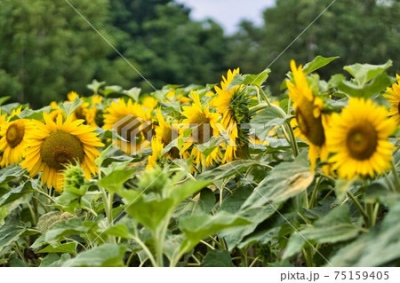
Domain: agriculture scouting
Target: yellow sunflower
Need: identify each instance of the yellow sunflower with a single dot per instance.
(309, 119)
(358, 137)
(13, 138)
(224, 104)
(166, 132)
(393, 96)
(79, 112)
(87, 110)
(53, 145)
(156, 147)
(132, 122)
(203, 125)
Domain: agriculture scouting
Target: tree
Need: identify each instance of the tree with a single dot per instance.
(354, 30)
(48, 49)
(167, 45)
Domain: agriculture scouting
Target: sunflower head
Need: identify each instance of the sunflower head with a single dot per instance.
(232, 103)
(308, 107)
(54, 145)
(13, 138)
(358, 139)
(393, 96)
(132, 122)
(201, 121)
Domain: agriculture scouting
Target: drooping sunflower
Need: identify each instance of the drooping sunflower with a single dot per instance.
(232, 104)
(393, 96)
(203, 125)
(132, 122)
(308, 117)
(53, 145)
(13, 138)
(358, 137)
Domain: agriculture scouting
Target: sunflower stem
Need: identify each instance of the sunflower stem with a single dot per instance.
(395, 177)
(264, 95)
(292, 138)
(369, 207)
(313, 197)
(360, 208)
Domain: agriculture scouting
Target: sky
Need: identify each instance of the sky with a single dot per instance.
(228, 13)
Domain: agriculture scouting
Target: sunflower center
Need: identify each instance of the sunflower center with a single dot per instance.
(61, 148)
(310, 126)
(80, 113)
(15, 133)
(362, 141)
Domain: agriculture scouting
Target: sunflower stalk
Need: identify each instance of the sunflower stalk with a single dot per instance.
(364, 214)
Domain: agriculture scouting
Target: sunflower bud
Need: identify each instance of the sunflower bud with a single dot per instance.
(74, 180)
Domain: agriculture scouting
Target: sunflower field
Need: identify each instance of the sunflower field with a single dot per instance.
(226, 174)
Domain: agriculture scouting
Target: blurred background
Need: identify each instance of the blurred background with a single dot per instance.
(47, 49)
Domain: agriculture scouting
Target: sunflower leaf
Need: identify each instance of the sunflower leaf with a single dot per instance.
(278, 186)
(114, 181)
(101, 256)
(363, 73)
(318, 63)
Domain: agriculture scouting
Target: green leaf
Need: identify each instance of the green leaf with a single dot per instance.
(60, 248)
(336, 226)
(10, 233)
(227, 170)
(107, 255)
(234, 236)
(70, 107)
(342, 187)
(364, 73)
(112, 89)
(198, 227)
(95, 86)
(133, 93)
(278, 186)
(16, 193)
(114, 181)
(378, 247)
(318, 63)
(70, 227)
(256, 80)
(46, 221)
(10, 172)
(217, 258)
(152, 210)
(206, 201)
(118, 230)
(294, 246)
(54, 260)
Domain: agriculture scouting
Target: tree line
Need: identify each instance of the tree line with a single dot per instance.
(50, 47)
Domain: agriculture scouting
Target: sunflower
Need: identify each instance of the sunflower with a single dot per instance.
(53, 145)
(309, 119)
(358, 137)
(79, 112)
(393, 96)
(166, 132)
(232, 105)
(202, 125)
(132, 122)
(13, 138)
(156, 147)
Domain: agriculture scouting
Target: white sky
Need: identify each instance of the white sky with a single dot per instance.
(228, 13)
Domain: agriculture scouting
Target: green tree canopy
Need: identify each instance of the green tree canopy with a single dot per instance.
(354, 30)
